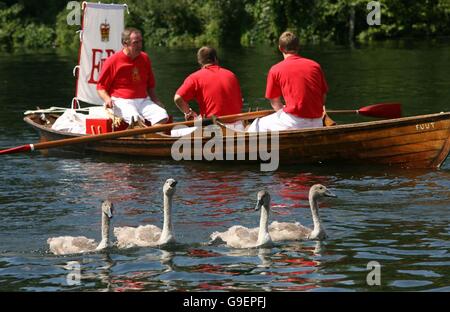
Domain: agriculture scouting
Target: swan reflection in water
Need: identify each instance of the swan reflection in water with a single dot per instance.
(91, 269)
(149, 279)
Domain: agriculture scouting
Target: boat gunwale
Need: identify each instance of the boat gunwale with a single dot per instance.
(366, 125)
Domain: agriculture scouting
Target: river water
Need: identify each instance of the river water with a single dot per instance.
(396, 217)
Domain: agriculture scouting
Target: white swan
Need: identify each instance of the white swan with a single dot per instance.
(150, 235)
(65, 245)
(241, 237)
(285, 231)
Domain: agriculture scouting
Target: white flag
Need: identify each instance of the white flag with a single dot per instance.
(101, 37)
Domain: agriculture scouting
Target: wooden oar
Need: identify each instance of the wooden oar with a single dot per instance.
(132, 132)
(386, 110)
(381, 110)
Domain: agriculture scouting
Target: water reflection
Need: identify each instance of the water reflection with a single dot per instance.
(85, 271)
(264, 255)
(105, 271)
(128, 182)
(261, 256)
(299, 267)
(400, 217)
(151, 274)
(296, 186)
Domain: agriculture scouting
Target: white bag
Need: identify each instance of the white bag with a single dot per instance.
(71, 121)
(99, 112)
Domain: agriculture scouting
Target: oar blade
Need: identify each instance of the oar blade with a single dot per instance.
(18, 149)
(382, 110)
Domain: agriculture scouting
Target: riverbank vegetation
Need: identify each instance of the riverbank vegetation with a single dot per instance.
(191, 23)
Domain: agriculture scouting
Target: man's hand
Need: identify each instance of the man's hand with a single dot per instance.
(109, 103)
(190, 115)
(276, 103)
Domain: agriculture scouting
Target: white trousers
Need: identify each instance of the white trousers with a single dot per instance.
(283, 121)
(139, 108)
(236, 126)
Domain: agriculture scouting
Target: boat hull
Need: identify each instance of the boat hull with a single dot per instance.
(413, 142)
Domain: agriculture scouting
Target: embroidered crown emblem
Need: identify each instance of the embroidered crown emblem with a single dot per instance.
(104, 31)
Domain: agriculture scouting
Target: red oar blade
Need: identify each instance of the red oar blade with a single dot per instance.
(382, 110)
(18, 149)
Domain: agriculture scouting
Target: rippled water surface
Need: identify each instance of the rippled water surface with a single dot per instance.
(396, 217)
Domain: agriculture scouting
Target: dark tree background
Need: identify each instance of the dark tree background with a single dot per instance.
(42, 24)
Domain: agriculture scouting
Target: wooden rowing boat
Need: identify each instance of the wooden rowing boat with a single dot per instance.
(412, 142)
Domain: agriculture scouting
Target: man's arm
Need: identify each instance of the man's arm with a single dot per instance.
(324, 100)
(153, 97)
(327, 121)
(184, 107)
(106, 98)
(276, 103)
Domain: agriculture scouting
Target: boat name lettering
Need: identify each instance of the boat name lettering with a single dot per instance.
(425, 126)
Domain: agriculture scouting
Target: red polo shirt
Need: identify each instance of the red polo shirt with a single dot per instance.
(215, 89)
(302, 84)
(126, 78)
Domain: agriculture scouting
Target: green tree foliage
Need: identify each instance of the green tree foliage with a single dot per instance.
(411, 18)
(35, 24)
(9, 24)
(227, 20)
(19, 31)
(165, 23)
(66, 35)
(44, 12)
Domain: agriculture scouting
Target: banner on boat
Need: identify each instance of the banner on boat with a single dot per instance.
(100, 37)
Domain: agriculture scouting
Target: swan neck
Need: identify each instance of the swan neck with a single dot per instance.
(167, 226)
(105, 228)
(315, 213)
(263, 224)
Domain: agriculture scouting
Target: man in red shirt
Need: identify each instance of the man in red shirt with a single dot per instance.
(301, 82)
(127, 83)
(215, 89)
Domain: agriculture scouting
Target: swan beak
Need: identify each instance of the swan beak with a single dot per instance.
(108, 208)
(109, 212)
(259, 204)
(329, 193)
